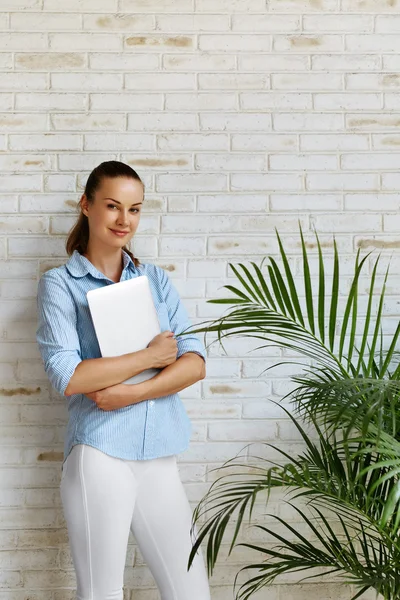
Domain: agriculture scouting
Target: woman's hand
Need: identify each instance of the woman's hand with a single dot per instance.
(111, 398)
(164, 349)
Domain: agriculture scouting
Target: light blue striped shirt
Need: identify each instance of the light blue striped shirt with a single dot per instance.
(66, 336)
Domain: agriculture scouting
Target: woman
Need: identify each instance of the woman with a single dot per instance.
(120, 471)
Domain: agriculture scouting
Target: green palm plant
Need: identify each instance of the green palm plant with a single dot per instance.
(349, 390)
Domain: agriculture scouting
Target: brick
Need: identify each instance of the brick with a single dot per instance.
(50, 61)
(234, 122)
(307, 122)
(126, 101)
(339, 181)
(373, 162)
(239, 246)
(370, 6)
(155, 42)
(50, 101)
(117, 143)
(161, 162)
(15, 225)
(17, 4)
(162, 122)
(313, 202)
(313, 162)
(6, 60)
(372, 43)
(308, 43)
(272, 62)
(23, 81)
(390, 181)
(23, 122)
(48, 203)
(181, 204)
(200, 102)
(231, 5)
(18, 289)
(160, 81)
(338, 23)
(346, 141)
(309, 81)
(198, 224)
(118, 22)
(247, 432)
(178, 246)
(8, 203)
(157, 6)
(348, 101)
(235, 43)
(86, 82)
(24, 162)
(82, 5)
(227, 81)
(48, 141)
(16, 41)
(192, 23)
(74, 122)
(111, 61)
(303, 5)
(365, 202)
(193, 62)
(372, 81)
(371, 122)
(44, 21)
(266, 183)
(282, 223)
(231, 162)
(232, 203)
(59, 183)
(277, 101)
(195, 181)
(346, 62)
(39, 247)
(27, 183)
(343, 223)
(382, 142)
(268, 142)
(193, 141)
(266, 23)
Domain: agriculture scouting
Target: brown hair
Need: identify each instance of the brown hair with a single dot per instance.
(78, 237)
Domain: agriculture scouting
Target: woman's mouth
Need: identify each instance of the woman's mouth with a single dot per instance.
(119, 233)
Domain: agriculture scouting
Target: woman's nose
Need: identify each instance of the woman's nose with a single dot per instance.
(122, 217)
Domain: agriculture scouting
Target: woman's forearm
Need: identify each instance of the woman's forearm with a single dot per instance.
(98, 373)
(188, 369)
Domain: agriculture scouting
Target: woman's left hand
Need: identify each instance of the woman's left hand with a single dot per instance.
(110, 398)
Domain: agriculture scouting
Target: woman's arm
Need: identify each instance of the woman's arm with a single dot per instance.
(59, 344)
(188, 369)
(98, 373)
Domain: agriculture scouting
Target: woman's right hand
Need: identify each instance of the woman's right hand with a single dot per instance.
(164, 349)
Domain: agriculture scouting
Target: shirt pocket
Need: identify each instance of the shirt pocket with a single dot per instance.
(163, 317)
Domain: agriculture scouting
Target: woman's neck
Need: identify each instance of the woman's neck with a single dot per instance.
(110, 263)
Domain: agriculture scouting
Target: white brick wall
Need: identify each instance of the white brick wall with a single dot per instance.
(241, 115)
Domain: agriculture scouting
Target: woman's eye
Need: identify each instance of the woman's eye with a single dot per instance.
(111, 206)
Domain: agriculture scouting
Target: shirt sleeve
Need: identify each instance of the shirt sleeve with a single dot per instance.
(56, 333)
(178, 318)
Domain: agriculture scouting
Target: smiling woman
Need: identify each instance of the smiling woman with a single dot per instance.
(121, 440)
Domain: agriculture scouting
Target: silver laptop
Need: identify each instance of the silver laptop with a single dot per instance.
(125, 319)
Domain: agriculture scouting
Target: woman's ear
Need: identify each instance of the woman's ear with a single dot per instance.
(84, 203)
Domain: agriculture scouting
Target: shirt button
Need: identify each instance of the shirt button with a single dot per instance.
(151, 402)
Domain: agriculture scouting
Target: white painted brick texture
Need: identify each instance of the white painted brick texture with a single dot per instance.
(241, 116)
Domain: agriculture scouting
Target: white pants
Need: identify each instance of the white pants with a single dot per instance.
(103, 498)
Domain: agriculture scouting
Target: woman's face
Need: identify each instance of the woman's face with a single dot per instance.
(115, 211)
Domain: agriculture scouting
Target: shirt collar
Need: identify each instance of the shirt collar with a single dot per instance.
(80, 266)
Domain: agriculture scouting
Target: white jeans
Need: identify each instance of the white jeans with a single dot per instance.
(103, 498)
